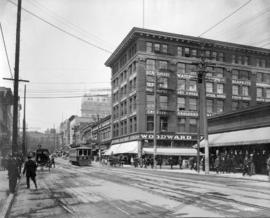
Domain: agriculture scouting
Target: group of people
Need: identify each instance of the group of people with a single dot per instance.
(249, 163)
(15, 165)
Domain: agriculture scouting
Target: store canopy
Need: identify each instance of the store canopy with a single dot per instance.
(123, 148)
(240, 137)
(172, 151)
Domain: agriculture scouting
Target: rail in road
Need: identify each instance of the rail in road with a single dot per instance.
(72, 191)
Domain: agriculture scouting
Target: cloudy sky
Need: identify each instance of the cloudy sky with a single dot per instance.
(60, 65)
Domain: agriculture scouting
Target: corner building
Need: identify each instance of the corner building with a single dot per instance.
(239, 78)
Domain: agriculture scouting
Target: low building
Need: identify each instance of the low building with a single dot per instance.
(245, 132)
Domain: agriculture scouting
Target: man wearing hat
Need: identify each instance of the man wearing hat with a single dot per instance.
(30, 168)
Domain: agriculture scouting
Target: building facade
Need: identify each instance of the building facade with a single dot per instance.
(94, 105)
(6, 116)
(239, 78)
(97, 135)
(241, 133)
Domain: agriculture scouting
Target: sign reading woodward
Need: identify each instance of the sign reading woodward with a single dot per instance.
(169, 137)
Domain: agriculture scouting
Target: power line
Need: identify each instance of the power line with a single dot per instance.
(66, 21)
(62, 30)
(2, 33)
(225, 18)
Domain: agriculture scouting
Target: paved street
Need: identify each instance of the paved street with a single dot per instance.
(72, 191)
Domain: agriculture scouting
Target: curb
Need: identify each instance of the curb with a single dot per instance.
(7, 206)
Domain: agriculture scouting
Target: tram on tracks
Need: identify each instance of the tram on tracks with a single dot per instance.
(80, 156)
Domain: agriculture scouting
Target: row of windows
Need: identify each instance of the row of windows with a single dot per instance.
(163, 123)
(263, 92)
(124, 58)
(162, 102)
(124, 127)
(263, 78)
(163, 82)
(191, 85)
(181, 124)
(123, 76)
(124, 90)
(240, 90)
(152, 65)
(156, 47)
(192, 105)
(126, 107)
(183, 51)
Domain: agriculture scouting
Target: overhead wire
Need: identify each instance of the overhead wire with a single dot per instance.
(225, 18)
(246, 21)
(5, 47)
(66, 22)
(63, 30)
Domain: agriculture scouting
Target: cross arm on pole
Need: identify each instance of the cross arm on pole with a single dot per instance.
(20, 80)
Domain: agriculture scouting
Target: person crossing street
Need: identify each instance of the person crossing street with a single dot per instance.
(30, 168)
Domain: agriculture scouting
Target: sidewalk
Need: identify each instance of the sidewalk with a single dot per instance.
(176, 169)
(6, 199)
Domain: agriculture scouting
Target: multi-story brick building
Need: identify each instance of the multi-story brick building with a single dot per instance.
(240, 77)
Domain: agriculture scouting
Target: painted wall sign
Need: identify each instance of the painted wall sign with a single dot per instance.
(176, 137)
(241, 82)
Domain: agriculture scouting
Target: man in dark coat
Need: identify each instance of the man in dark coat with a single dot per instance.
(13, 173)
(30, 168)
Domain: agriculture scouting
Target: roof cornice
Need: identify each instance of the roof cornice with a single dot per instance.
(135, 31)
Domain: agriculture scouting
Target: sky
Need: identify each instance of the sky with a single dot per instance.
(58, 64)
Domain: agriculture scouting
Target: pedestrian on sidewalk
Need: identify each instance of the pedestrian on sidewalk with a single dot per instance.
(268, 166)
(13, 173)
(30, 168)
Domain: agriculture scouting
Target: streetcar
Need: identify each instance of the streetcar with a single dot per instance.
(80, 156)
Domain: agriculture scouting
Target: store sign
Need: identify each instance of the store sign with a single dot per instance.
(263, 85)
(214, 95)
(159, 74)
(263, 99)
(176, 137)
(241, 82)
(214, 79)
(190, 93)
(186, 76)
(126, 139)
(187, 113)
(245, 98)
(159, 112)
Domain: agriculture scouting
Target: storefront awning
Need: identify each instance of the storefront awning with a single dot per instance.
(240, 137)
(123, 148)
(172, 151)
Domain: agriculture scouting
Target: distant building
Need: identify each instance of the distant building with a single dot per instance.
(48, 140)
(6, 115)
(95, 104)
(75, 124)
(97, 135)
(239, 78)
(64, 131)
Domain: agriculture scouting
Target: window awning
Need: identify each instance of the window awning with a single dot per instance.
(172, 151)
(240, 137)
(123, 148)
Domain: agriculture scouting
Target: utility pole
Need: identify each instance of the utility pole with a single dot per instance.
(24, 151)
(201, 80)
(16, 81)
(155, 116)
(198, 124)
